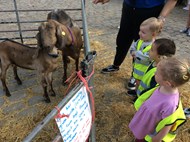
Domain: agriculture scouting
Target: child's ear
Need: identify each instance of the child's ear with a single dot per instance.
(154, 34)
(169, 84)
(162, 57)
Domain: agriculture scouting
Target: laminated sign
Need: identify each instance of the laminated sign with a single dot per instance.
(76, 127)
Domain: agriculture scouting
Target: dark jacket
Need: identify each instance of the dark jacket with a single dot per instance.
(144, 3)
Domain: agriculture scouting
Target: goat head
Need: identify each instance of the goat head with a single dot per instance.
(66, 39)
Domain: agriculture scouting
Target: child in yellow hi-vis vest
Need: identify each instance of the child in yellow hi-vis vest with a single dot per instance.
(161, 113)
(139, 50)
(161, 48)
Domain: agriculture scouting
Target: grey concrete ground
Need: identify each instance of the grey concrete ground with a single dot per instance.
(103, 22)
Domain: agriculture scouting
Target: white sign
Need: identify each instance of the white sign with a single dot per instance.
(76, 128)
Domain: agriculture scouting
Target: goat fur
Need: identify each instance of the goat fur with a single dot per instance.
(17, 54)
(61, 31)
(62, 17)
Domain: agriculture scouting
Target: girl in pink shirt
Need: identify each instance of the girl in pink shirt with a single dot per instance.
(170, 74)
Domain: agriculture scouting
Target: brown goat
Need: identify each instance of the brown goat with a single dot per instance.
(66, 36)
(62, 17)
(16, 54)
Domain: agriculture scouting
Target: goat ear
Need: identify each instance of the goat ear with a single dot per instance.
(49, 16)
(38, 38)
(58, 30)
(60, 39)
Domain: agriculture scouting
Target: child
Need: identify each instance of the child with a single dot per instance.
(160, 49)
(149, 29)
(163, 105)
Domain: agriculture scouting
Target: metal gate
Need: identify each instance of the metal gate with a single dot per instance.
(20, 20)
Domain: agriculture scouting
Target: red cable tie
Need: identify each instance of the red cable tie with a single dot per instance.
(70, 85)
(90, 93)
(69, 77)
(59, 115)
(90, 87)
(88, 78)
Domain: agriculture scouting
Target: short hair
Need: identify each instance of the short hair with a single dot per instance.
(165, 47)
(154, 24)
(176, 71)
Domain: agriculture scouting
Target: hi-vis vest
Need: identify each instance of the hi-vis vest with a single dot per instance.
(139, 68)
(176, 119)
(146, 80)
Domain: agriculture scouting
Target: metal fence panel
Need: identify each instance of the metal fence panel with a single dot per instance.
(20, 20)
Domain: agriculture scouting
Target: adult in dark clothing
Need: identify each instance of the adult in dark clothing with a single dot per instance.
(134, 12)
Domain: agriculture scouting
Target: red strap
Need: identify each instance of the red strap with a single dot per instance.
(79, 73)
(74, 79)
(59, 115)
(85, 81)
(71, 76)
(88, 77)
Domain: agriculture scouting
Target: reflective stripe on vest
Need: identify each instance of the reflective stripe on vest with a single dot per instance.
(139, 69)
(146, 80)
(176, 119)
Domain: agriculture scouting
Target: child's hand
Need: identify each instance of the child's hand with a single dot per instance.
(133, 54)
(154, 139)
(158, 137)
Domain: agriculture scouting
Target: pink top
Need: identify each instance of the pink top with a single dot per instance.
(152, 111)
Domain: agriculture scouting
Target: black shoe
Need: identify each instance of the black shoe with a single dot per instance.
(187, 112)
(188, 32)
(185, 30)
(109, 69)
(131, 84)
(132, 93)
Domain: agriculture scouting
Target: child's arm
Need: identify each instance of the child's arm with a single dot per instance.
(142, 57)
(133, 49)
(161, 134)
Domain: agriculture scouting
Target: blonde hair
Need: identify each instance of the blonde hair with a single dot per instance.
(155, 24)
(175, 71)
